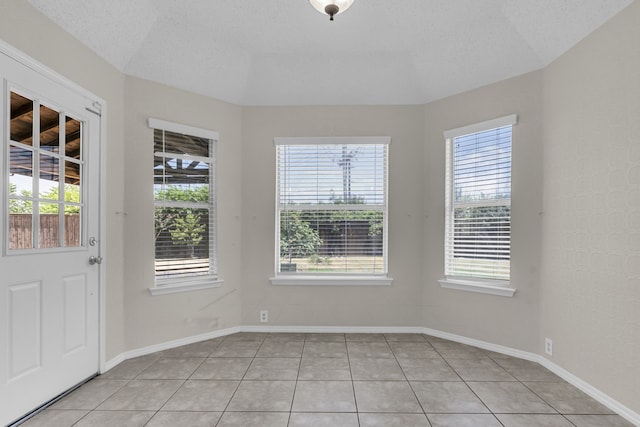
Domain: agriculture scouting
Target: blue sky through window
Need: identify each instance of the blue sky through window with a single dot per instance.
(330, 174)
(482, 165)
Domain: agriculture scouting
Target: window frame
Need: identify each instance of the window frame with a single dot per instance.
(188, 282)
(328, 278)
(472, 283)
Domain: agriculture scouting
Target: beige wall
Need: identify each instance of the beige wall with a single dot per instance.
(157, 319)
(32, 33)
(590, 303)
(396, 305)
(416, 215)
(576, 266)
(134, 319)
(512, 322)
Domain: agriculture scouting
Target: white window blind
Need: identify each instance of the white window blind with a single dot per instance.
(478, 204)
(184, 198)
(331, 205)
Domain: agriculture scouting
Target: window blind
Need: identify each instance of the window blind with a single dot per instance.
(478, 217)
(184, 217)
(331, 207)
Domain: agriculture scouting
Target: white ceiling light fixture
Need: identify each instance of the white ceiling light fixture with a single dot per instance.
(331, 7)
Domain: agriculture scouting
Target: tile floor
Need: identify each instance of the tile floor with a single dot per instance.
(257, 379)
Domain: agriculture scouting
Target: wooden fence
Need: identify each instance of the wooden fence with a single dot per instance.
(21, 231)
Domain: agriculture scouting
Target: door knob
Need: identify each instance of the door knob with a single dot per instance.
(95, 260)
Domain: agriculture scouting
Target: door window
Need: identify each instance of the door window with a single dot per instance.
(45, 176)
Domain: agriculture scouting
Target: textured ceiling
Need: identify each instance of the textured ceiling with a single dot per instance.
(283, 52)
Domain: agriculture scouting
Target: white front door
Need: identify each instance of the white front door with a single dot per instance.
(49, 291)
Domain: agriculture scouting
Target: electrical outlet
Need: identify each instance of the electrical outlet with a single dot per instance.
(548, 346)
(264, 316)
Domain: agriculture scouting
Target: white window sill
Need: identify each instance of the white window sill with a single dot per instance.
(478, 287)
(301, 279)
(173, 286)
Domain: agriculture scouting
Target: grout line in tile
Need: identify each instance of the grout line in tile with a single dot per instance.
(165, 402)
(353, 387)
(236, 390)
(262, 341)
(406, 379)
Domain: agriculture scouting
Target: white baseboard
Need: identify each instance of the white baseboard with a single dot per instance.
(617, 407)
(608, 401)
(169, 345)
(335, 329)
(483, 344)
(594, 393)
(114, 362)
